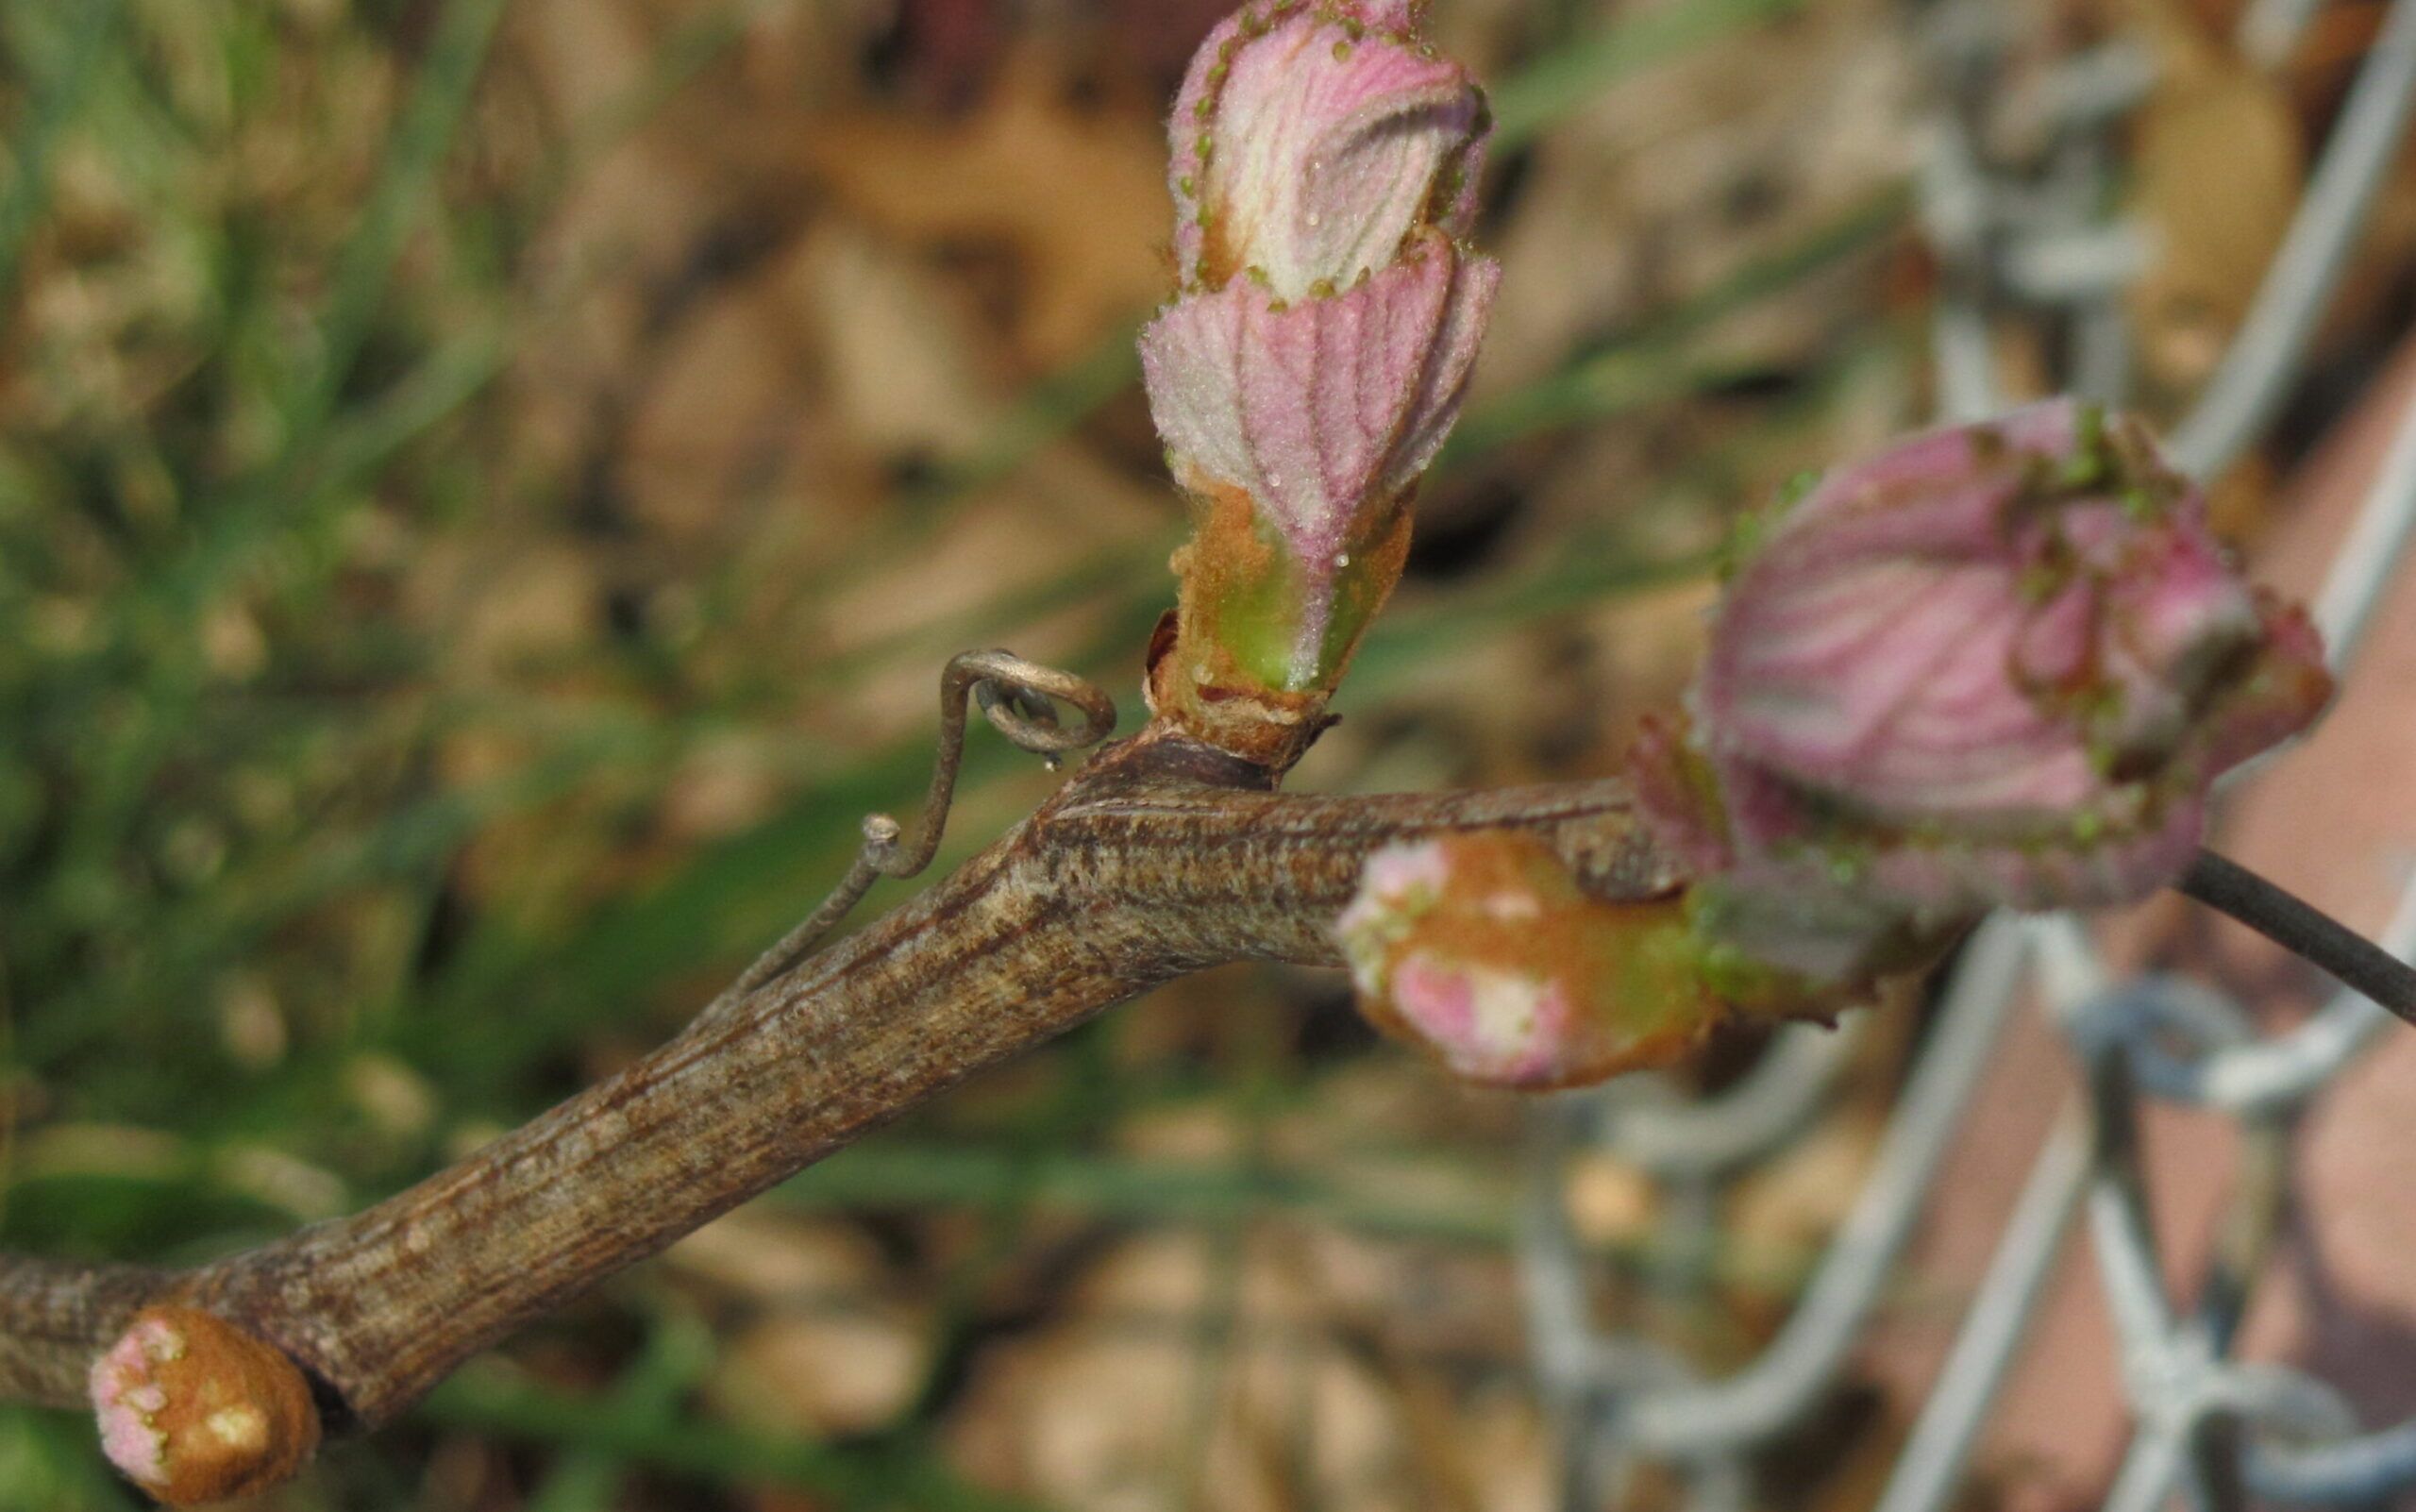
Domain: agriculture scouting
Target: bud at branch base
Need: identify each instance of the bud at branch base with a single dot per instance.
(1481, 950)
(1315, 356)
(195, 1410)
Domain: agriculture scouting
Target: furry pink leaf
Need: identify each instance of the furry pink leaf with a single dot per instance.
(1997, 665)
(1315, 356)
(1310, 141)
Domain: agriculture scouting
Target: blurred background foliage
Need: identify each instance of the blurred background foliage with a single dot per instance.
(486, 490)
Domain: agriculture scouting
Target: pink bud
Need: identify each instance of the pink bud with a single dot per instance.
(1317, 351)
(1397, 885)
(1481, 950)
(1310, 141)
(194, 1409)
(128, 1399)
(1500, 1027)
(1996, 665)
(1321, 412)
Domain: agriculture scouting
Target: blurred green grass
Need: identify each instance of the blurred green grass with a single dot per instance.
(168, 838)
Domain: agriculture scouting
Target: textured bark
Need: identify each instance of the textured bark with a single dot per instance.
(1158, 858)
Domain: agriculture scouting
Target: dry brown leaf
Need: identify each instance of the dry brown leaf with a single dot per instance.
(831, 1345)
(2336, 42)
(845, 1366)
(1099, 1413)
(1795, 1200)
(1608, 1201)
(1078, 198)
(1683, 174)
(2217, 163)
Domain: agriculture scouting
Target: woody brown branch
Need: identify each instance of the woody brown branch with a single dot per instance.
(1160, 857)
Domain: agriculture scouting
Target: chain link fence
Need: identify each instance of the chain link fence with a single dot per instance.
(2032, 242)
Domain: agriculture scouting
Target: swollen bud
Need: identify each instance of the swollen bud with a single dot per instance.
(1482, 951)
(1310, 139)
(194, 1410)
(1999, 664)
(1321, 341)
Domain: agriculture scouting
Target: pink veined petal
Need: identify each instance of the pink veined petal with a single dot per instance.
(1945, 462)
(1191, 367)
(1943, 491)
(1436, 406)
(1390, 123)
(1995, 665)
(2053, 644)
(1186, 130)
(1804, 626)
(1813, 693)
(1301, 406)
(1877, 649)
(1325, 151)
(1971, 739)
(1845, 518)
(1326, 388)
(2177, 619)
(1261, 126)
(1918, 473)
(2176, 601)
(1889, 686)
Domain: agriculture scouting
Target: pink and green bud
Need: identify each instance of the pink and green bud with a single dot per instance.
(1321, 339)
(1312, 140)
(1997, 665)
(1483, 953)
(195, 1410)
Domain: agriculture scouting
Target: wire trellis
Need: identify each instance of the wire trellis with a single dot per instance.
(2040, 247)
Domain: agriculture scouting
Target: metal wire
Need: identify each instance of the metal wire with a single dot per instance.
(2344, 608)
(1949, 1422)
(2353, 1473)
(2255, 375)
(1796, 1371)
(2270, 29)
(2020, 245)
(1668, 1135)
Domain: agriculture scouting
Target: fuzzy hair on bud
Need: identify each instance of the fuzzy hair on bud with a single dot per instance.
(1326, 322)
(1998, 664)
(195, 1410)
(1310, 139)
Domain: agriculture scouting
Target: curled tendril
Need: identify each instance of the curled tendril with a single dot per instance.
(1019, 698)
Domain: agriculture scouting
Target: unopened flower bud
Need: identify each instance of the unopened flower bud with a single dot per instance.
(1321, 339)
(194, 1410)
(1482, 951)
(1998, 664)
(1310, 140)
